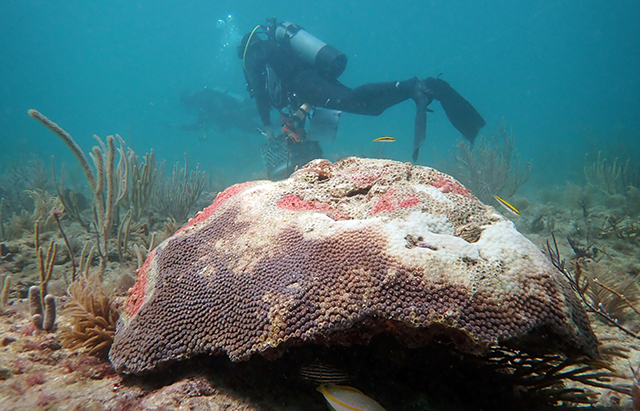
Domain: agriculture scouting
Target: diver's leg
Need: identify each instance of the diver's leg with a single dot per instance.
(375, 98)
(369, 99)
(309, 87)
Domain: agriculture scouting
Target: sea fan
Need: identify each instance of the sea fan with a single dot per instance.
(93, 318)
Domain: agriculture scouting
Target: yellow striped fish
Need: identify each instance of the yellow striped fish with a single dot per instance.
(385, 139)
(507, 206)
(343, 398)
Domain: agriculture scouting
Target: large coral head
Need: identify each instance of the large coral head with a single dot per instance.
(337, 254)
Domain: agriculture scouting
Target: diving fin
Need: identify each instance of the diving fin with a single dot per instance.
(462, 115)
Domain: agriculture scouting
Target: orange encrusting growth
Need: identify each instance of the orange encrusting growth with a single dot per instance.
(137, 292)
(221, 198)
(294, 202)
(448, 185)
(391, 201)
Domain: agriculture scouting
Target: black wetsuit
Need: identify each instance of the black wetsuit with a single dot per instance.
(299, 83)
(302, 83)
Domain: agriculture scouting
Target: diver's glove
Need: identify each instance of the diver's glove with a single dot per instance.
(462, 115)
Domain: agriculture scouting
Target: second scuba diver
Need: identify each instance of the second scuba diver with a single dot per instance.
(288, 68)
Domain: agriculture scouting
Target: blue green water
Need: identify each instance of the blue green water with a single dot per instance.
(563, 74)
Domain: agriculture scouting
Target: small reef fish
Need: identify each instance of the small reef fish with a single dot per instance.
(320, 373)
(385, 139)
(343, 398)
(507, 206)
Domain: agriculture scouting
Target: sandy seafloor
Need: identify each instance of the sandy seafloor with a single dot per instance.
(37, 373)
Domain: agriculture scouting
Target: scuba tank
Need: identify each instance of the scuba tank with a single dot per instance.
(328, 60)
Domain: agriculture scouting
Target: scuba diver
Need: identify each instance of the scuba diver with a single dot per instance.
(287, 68)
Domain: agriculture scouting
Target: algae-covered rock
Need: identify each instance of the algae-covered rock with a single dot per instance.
(337, 254)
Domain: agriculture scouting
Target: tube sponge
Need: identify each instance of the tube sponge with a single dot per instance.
(49, 313)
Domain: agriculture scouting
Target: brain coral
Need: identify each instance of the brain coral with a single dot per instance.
(337, 254)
